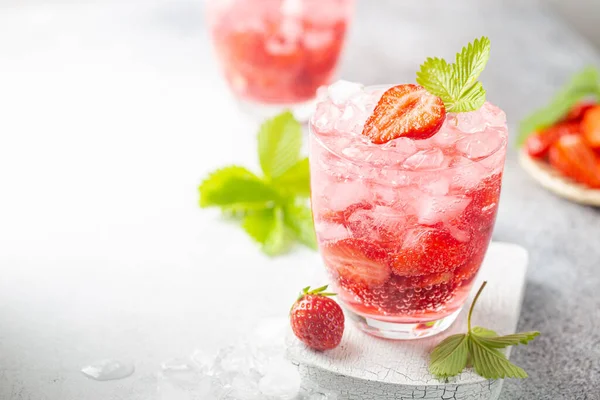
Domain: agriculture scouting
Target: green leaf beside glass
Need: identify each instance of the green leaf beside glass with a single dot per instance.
(479, 347)
(273, 208)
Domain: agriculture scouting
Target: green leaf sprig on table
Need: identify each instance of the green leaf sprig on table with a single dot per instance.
(456, 84)
(479, 347)
(583, 85)
(272, 208)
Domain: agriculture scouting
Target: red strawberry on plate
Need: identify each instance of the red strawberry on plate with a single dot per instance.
(579, 110)
(539, 143)
(590, 127)
(357, 261)
(317, 320)
(405, 111)
(574, 158)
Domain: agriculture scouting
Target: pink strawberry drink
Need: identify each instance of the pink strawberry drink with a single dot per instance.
(278, 51)
(403, 226)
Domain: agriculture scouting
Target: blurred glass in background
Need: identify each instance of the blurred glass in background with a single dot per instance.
(275, 54)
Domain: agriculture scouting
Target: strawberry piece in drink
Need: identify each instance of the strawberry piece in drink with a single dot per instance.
(357, 261)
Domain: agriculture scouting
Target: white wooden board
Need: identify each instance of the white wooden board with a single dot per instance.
(364, 367)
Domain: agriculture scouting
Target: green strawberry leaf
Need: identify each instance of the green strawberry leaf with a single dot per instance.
(296, 180)
(236, 188)
(299, 219)
(279, 143)
(279, 239)
(479, 348)
(449, 357)
(456, 84)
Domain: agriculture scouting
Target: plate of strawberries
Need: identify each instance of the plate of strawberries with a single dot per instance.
(560, 143)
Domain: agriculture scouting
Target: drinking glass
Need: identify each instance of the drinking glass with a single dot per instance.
(403, 227)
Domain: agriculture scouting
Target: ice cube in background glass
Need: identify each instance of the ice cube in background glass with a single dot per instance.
(291, 8)
(341, 91)
(434, 209)
(480, 145)
(315, 39)
(466, 174)
(425, 159)
(282, 380)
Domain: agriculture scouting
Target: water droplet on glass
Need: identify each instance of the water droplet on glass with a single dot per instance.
(108, 370)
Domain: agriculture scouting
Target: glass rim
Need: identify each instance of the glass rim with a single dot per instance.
(399, 167)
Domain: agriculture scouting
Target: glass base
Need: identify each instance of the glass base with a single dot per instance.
(402, 331)
(260, 111)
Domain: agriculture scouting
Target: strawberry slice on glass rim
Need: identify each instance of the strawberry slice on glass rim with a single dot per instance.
(405, 111)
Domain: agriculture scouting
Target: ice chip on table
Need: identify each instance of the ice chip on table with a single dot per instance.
(281, 381)
(236, 359)
(203, 360)
(425, 159)
(107, 370)
(434, 209)
(245, 388)
(181, 380)
(480, 145)
(341, 91)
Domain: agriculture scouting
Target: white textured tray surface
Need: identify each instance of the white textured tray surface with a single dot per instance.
(361, 356)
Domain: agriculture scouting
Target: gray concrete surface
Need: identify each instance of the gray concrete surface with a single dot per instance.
(102, 256)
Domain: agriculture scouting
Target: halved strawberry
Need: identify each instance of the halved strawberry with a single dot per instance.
(538, 144)
(357, 261)
(428, 251)
(579, 110)
(590, 127)
(574, 158)
(408, 111)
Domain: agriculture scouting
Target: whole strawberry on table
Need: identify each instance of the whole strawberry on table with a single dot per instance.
(566, 133)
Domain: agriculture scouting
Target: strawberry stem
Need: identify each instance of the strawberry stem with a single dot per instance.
(473, 304)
